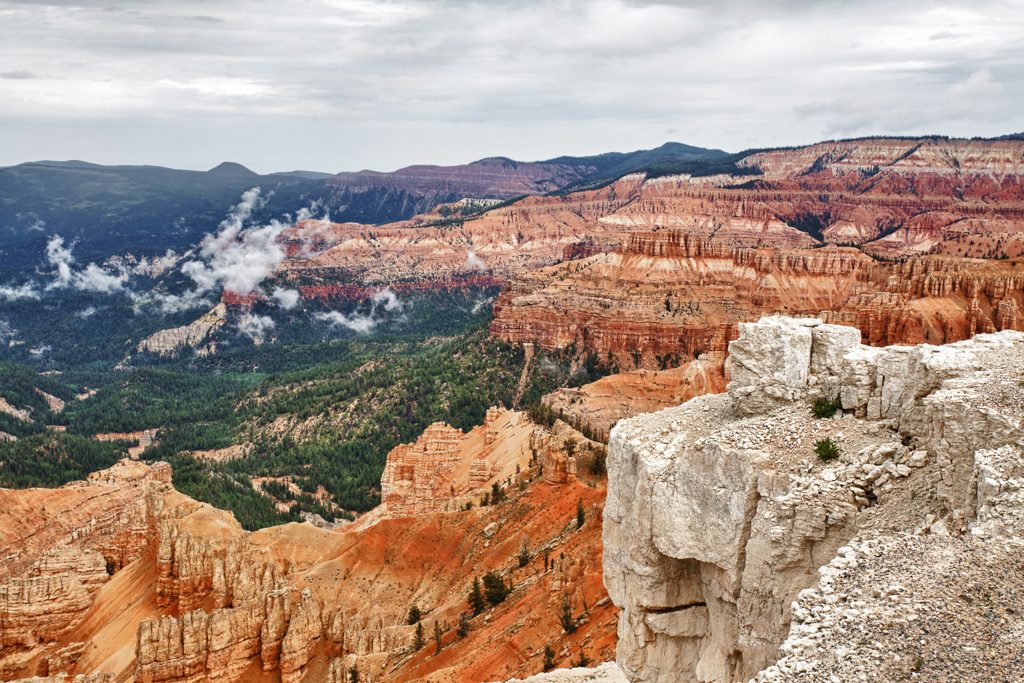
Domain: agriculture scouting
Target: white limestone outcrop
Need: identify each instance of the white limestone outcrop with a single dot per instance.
(723, 529)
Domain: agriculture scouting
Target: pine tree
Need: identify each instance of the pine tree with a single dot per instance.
(476, 598)
(414, 615)
(418, 643)
(568, 620)
(437, 637)
(463, 629)
(549, 658)
(497, 494)
(495, 588)
(353, 675)
(580, 514)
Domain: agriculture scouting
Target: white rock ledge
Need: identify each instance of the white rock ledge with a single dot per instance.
(735, 553)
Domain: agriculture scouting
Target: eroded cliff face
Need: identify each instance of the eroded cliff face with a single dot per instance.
(667, 297)
(59, 549)
(893, 198)
(445, 469)
(530, 233)
(123, 578)
(719, 515)
(196, 335)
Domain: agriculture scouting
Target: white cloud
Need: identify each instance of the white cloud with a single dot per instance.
(59, 257)
(256, 327)
(285, 298)
(475, 262)
(383, 300)
(387, 299)
(479, 304)
(15, 293)
(92, 278)
(172, 303)
(41, 350)
(236, 258)
(352, 321)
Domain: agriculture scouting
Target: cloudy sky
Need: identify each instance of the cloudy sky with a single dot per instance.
(347, 84)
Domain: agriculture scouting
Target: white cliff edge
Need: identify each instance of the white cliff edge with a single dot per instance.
(736, 553)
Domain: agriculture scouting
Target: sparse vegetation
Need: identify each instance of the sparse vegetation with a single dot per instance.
(597, 463)
(568, 621)
(826, 449)
(524, 553)
(495, 589)
(824, 408)
(418, 641)
(549, 658)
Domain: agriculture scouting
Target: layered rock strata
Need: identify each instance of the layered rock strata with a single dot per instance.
(445, 468)
(667, 296)
(59, 548)
(894, 198)
(720, 515)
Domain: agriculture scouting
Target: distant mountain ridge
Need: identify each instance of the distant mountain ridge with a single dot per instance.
(502, 178)
(149, 209)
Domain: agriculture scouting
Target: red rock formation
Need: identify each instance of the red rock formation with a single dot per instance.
(895, 198)
(199, 599)
(668, 296)
(444, 469)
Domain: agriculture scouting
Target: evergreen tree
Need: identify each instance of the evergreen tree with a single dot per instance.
(497, 494)
(495, 588)
(414, 615)
(463, 629)
(476, 598)
(549, 658)
(580, 513)
(437, 637)
(353, 675)
(418, 643)
(569, 623)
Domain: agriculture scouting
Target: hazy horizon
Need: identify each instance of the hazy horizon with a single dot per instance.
(338, 85)
(4, 164)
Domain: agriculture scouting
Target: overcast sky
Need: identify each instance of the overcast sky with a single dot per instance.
(347, 84)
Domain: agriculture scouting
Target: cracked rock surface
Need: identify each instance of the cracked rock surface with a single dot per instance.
(736, 553)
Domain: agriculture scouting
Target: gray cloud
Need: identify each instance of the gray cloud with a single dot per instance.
(347, 84)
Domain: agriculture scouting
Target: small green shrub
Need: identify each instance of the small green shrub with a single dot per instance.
(549, 658)
(826, 449)
(825, 408)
